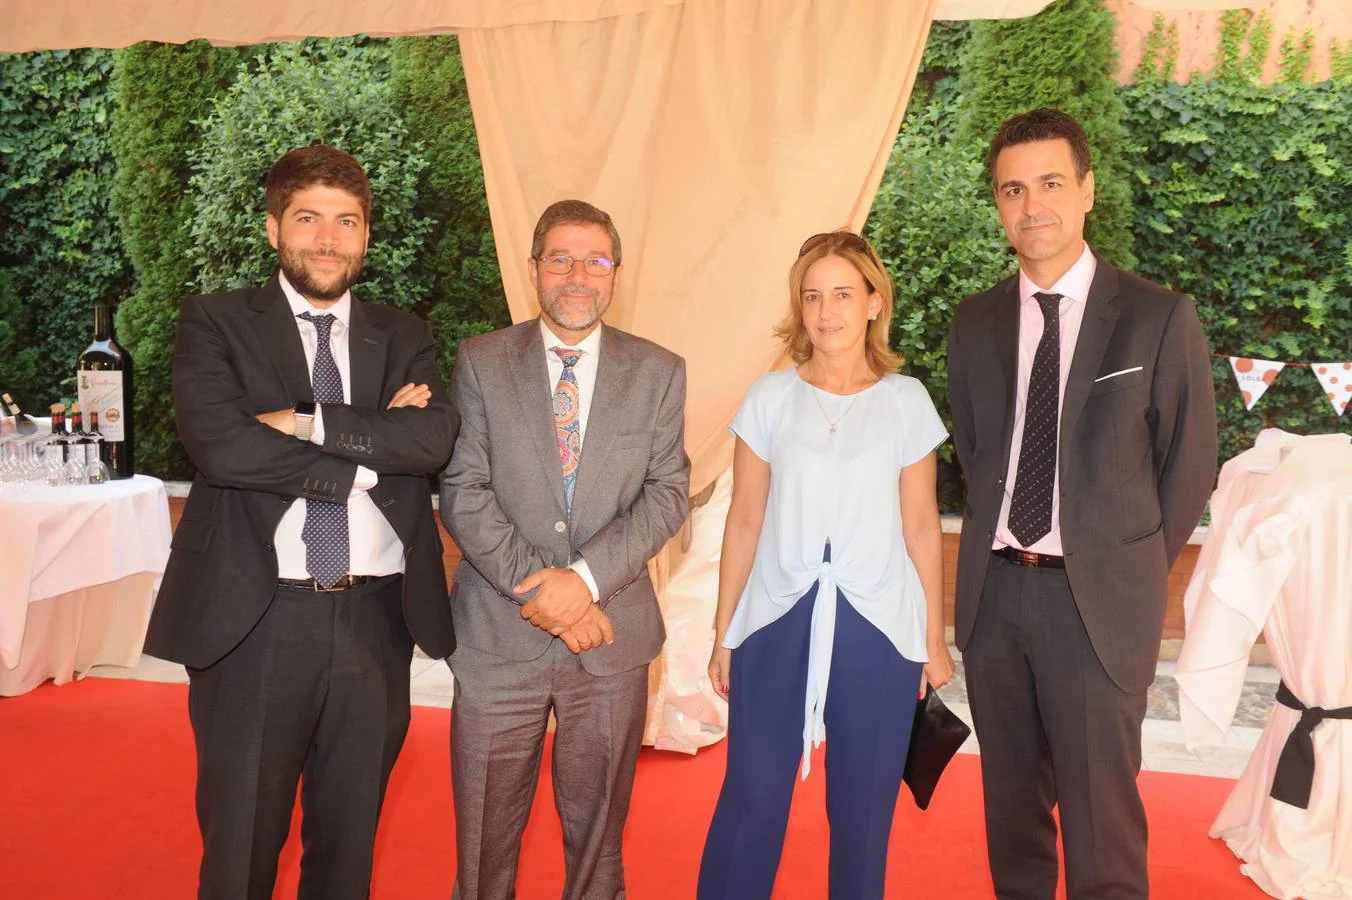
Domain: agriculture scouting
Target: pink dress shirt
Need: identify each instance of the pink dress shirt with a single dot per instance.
(1074, 290)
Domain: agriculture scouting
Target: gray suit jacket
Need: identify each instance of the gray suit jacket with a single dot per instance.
(502, 494)
(1137, 453)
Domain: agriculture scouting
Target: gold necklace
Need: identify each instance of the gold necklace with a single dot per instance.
(822, 409)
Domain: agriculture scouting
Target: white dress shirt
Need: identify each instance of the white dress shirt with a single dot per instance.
(375, 549)
(1074, 290)
(584, 371)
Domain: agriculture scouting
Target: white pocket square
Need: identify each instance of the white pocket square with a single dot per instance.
(1118, 372)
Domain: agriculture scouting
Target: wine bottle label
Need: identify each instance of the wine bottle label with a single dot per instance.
(103, 391)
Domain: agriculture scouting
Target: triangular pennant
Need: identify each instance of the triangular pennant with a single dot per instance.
(1254, 376)
(1336, 379)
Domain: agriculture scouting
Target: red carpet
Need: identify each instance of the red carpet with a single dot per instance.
(96, 784)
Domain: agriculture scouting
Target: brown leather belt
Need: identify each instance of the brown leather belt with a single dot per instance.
(1033, 560)
(343, 584)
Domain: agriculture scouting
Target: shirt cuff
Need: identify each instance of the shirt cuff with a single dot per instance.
(364, 480)
(317, 426)
(580, 567)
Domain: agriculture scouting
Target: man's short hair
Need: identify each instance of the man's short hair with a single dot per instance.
(1042, 125)
(573, 212)
(306, 167)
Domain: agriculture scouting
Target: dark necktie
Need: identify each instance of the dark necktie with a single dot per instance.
(568, 424)
(327, 550)
(1030, 509)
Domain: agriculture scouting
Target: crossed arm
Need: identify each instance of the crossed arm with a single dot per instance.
(233, 447)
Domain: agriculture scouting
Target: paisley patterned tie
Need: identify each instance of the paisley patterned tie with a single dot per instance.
(567, 425)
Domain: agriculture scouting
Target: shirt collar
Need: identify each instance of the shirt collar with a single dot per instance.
(591, 344)
(342, 310)
(1074, 285)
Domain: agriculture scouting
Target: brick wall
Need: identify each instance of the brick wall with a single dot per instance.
(1173, 620)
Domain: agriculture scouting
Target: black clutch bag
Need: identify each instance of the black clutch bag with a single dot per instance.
(936, 735)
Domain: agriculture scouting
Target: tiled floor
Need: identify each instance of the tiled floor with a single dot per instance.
(1163, 749)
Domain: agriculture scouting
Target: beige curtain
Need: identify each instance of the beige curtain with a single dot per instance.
(55, 24)
(719, 135)
(52, 24)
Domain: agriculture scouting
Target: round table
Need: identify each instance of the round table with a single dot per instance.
(79, 567)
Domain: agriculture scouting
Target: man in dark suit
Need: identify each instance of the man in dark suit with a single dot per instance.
(1084, 419)
(558, 505)
(307, 560)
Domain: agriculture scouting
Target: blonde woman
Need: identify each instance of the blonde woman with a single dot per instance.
(829, 618)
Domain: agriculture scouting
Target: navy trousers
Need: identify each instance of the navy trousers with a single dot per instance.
(870, 705)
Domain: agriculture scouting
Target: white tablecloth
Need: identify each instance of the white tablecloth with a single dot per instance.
(1278, 560)
(78, 570)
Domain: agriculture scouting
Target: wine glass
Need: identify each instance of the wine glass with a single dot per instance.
(9, 465)
(96, 471)
(73, 471)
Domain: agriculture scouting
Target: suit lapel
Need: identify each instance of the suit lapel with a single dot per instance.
(1004, 324)
(603, 416)
(1096, 330)
(276, 328)
(525, 367)
(366, 348)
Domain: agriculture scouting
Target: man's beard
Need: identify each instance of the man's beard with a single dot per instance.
(312, 286)
(552, 305)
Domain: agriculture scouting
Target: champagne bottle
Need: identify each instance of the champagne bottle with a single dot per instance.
(23, 424)
(104, 381)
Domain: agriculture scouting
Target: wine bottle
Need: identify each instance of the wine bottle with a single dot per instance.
(105, 382)
(96, 470)
(23, 424)
(59, 440)
(78, 435)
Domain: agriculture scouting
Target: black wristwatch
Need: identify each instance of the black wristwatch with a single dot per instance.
(305, 419)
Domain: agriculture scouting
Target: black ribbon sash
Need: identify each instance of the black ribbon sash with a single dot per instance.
(1294, 778)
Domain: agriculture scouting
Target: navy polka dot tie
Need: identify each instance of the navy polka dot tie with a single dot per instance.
(327, 549)
(1030, 509)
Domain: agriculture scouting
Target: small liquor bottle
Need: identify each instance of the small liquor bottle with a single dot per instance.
(59, 442)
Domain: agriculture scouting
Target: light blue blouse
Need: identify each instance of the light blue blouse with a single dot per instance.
(842, 487)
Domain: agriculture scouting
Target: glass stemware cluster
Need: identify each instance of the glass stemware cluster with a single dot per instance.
(31, 457)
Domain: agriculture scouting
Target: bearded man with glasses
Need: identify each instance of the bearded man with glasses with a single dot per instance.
(569, 475)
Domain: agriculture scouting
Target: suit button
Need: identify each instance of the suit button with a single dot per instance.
(560, 527)
(268, 547)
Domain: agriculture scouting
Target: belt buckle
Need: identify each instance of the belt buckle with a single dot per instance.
(1028, 558)
(341, 584)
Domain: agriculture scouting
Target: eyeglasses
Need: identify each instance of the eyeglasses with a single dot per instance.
(597, 266)
(840, 239)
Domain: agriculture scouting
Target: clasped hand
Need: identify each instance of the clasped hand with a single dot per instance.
(563, 606)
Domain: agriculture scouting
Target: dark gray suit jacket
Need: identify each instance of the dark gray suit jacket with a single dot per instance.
(502, 494)
(1137, 454)
(239, 354)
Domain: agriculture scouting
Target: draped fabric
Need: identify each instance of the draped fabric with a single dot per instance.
(64, 24)
(718, 135)
(1275, 561)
